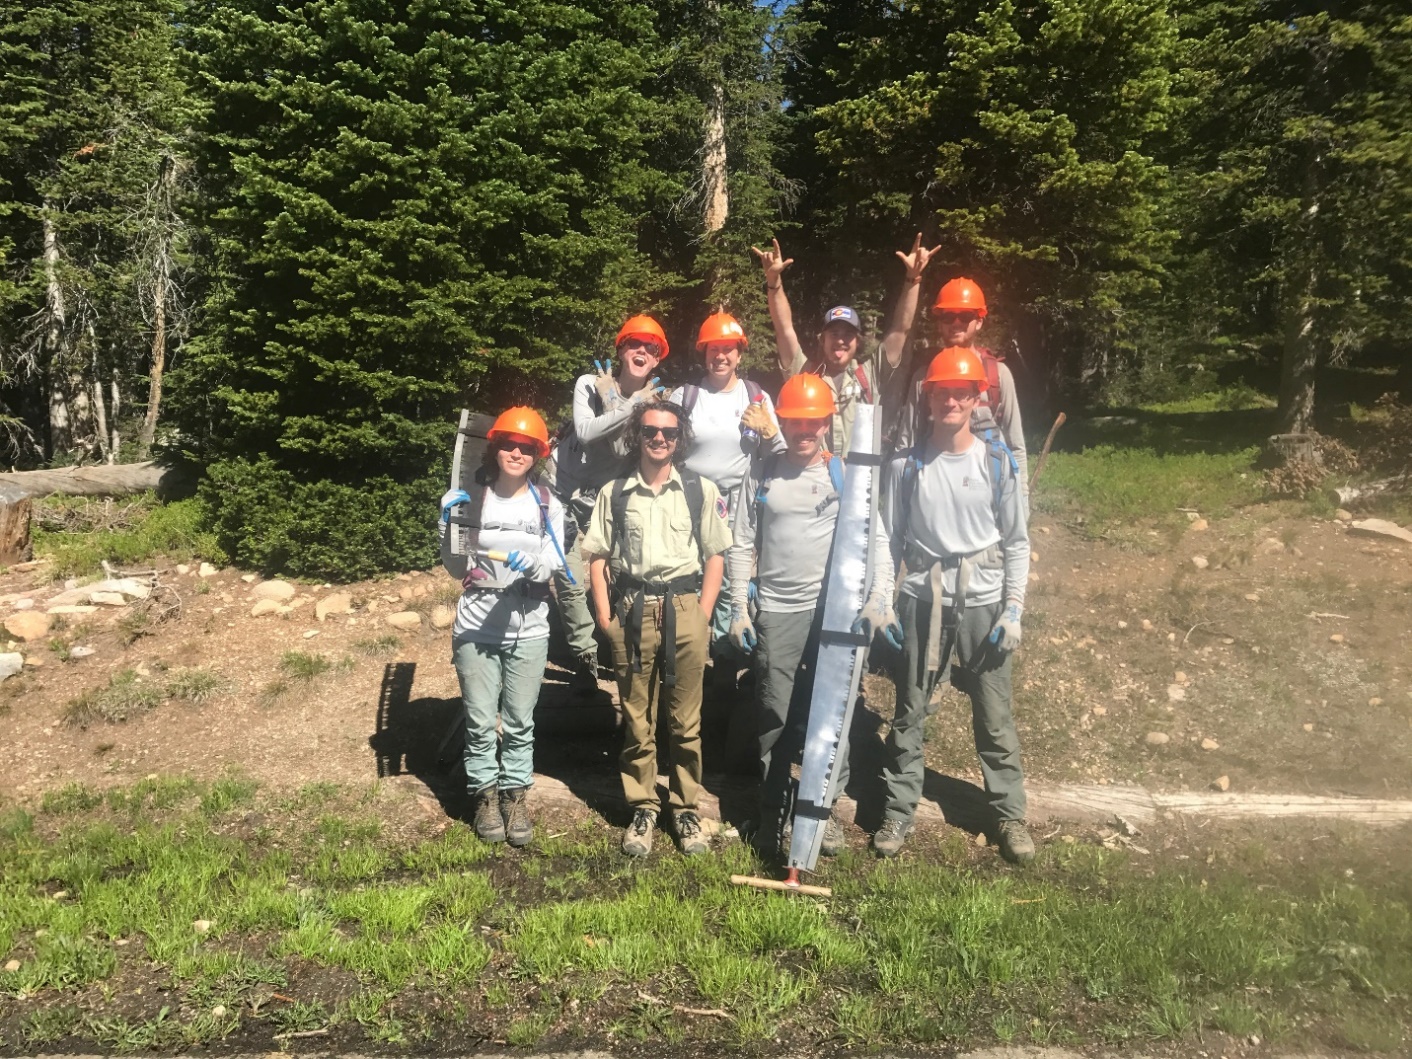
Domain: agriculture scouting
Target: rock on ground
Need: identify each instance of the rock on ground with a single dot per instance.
(10, 664)
(404, 620)
(443, 617)
(337, 603)
(281, 591)
(28, 625)
(265, 606)
(1158, 739)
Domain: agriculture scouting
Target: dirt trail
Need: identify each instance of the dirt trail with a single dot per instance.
(1281, 665)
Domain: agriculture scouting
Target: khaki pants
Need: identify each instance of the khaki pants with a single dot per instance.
(643, 696)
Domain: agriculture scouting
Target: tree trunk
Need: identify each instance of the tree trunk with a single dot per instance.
(15, 544)
(119, 480)
(1300, 358)
(161, 285)
(713, 163)
(60, 423)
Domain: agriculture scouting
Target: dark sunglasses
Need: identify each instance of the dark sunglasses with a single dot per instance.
(955, 317)
(669, 433)
(525, 448)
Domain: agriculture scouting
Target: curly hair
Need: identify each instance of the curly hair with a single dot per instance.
(634, 431)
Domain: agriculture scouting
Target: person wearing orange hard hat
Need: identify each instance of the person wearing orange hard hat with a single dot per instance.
(956, 521)
(839, 355)
(589, 453)
(785, 536)
(956, 318)
(500, 635)
(731, 418)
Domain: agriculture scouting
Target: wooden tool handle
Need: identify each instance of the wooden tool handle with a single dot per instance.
(776, 884)
(497, 557)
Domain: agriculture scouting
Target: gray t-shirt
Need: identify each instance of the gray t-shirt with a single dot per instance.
(799, 513)
(953, 513)
(504, 618)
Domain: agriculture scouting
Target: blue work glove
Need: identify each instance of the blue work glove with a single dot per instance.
(450, 499)
(1005, 635)
(742, 632)
(521, 562)
(878, 615)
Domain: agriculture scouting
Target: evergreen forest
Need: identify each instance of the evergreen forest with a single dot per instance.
(287, 242)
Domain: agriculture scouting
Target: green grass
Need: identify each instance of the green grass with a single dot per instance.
(303, 667)
(1239, 398)
(125, 695)
(377, 646)
(143, 528)
(196, 686)
(945, 947)
(1108, 486)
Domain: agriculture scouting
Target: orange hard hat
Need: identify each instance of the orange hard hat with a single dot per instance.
(956, 364)
(521, 423)
(647, 329)
(960, 295)
(805, 396)
(721, 327)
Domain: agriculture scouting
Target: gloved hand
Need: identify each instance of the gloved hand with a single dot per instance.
(1005, 635)
(522, 562)
(605, 384)
(450, 499)
(653, 391)
(742, 632)
(758, 419)
(878, 614)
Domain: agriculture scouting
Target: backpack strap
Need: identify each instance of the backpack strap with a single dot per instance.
(695, 500)
(860, 375)
(618, 508)
(689, 393)
(836, 473)
(991, 363)
(753, 390)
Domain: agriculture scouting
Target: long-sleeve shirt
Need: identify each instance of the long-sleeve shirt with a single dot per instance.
(601, 447)
(953, 511)
(516, 612)
(792, 530)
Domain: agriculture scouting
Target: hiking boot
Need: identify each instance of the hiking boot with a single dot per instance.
(489, 824)
(637, 839)
(1016, 845)
(689, 834)
(888, 839)
(586, 672)
(834, 839)
(514, 808)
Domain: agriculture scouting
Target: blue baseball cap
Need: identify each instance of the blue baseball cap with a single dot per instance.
(842, 314)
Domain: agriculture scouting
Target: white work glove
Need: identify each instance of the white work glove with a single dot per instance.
(758, 419)
(877, 615)
(742, 632)
(450, 499)
(603, 380)
(653, 391)
(1005, 635)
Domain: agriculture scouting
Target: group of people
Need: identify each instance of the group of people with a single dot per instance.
(696, 524)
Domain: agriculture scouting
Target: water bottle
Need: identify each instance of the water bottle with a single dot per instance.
(749, 436)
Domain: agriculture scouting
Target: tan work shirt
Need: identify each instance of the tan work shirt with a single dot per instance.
(656, 542)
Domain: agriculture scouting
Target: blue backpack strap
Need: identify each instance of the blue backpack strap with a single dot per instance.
(836, 473)
(998, 458)
(541, 496)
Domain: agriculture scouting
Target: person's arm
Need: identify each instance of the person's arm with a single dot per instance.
(1011, 428)
(904, 313)
(711, 582)
(549, 558)
(598, 592)
(787, 347)
(1014, 541)
(740, 560)
(589, 426)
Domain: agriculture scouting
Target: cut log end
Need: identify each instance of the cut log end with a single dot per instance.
(15, 543)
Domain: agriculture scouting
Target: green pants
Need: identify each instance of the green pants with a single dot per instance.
(984, 675)
(573, 598)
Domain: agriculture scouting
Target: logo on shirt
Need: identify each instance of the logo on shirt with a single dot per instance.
(721, 508)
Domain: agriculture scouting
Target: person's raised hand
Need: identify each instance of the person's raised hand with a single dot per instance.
(773, 262)
(916, 261)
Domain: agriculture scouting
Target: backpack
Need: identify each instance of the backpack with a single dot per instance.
(695, 500)
(991, 363)
(999, 461)
(690, 392)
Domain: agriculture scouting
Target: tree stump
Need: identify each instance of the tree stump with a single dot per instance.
(1282, 449)
(15, 545)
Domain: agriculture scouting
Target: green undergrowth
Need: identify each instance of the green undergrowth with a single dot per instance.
(218, 898)
(1108, 488)
(78, 533)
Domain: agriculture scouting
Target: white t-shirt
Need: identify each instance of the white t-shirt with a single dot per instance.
(508, 616)
(720, 453)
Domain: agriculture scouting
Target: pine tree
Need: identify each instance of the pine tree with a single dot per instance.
(1295, 156)
(1019, 136)
(415, 207)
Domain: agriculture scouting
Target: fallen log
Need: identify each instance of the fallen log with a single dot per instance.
(1401, 483)
(107, 480)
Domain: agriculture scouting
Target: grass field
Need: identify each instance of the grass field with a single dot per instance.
(170, 913)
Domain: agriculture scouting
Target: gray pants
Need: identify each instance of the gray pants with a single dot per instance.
(987, 684)
(573, 599)
(784, 662)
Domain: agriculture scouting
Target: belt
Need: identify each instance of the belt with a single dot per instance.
(942, 617)
(634, 591)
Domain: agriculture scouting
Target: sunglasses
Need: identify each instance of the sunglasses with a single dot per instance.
(948, 317)
(669, 433)
(524, 448)
(953, 393)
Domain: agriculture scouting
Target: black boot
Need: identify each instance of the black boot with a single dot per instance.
(489, 824)
(514, 808)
